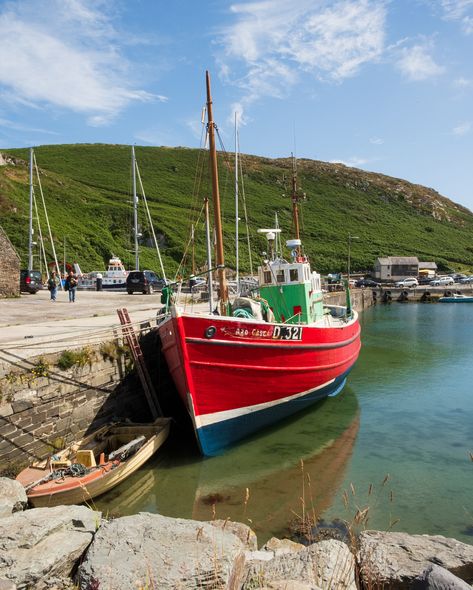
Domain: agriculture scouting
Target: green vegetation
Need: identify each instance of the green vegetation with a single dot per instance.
(87, 189)
(79, 358)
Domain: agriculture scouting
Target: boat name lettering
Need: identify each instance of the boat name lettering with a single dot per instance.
(287, 333)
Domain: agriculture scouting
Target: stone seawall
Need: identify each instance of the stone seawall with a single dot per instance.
(360, 298)
(44, 407)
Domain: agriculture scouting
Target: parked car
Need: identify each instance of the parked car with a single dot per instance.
(31, 281)
(366, 283)
(442, 281)
(143, 281)
(407, 282)
(458, 277)
(466, 280)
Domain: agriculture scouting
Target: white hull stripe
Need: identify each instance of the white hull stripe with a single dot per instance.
(208, 419)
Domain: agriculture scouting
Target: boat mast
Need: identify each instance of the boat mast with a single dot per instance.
(209, 255)
(237, 254)
(30, 228)
(222, 281)
(296, 197)
(135, 209)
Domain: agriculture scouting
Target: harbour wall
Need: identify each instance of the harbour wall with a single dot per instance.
(360, 298)
(44, 407)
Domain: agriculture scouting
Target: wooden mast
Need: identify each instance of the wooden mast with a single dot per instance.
(222, 281)
(296, 197)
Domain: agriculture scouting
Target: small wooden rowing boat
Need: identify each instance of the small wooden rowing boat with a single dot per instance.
(93, 465)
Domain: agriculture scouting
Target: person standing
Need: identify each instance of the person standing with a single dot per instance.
(52, 285)
(71, 286)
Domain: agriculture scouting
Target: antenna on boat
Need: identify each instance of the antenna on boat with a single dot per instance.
(222, 280)
(271, 237)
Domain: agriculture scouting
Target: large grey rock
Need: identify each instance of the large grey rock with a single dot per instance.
(438, 578)
(289, 585)
(327, 564)
(7, 585)
(12, 496)
(395, 559)
(160, 552)
(44, 542)
(282, 546)
(246, 535)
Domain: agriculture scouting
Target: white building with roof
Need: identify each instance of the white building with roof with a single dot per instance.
(395, 268)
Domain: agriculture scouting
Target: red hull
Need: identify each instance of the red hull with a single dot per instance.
(225, 367)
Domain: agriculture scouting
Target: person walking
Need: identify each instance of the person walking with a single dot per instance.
(52, 285)
(71, 286)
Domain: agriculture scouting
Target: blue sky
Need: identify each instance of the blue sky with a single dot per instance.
(383, 85)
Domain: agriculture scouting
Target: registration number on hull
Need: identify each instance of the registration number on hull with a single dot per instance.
(287, 333)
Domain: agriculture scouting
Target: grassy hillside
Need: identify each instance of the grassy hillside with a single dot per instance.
(87, 189)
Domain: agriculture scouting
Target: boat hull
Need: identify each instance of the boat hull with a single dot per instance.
(76, 490)
(237, 377)
(463, 299)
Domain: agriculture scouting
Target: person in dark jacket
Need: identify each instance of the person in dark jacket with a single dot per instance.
(71, 286)
(53, 282)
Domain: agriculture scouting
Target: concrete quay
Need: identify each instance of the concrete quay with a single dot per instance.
(423, 293)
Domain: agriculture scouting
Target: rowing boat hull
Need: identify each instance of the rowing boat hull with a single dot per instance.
(76, 490)
(237, 377)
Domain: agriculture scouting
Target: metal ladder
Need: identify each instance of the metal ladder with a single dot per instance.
(137, 354)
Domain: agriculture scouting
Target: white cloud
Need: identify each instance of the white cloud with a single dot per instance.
(459, 10)
(456, 9)
(278, 41)
(462, 129)
(65, 53)
(7, 124)
(376, 140)
(462, 82)
(352, 162)
(416, 63)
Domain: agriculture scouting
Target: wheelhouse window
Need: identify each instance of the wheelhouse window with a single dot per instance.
(280, 276)
(267, 276)
(293, 275)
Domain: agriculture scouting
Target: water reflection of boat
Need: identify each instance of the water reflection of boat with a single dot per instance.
(268, 465)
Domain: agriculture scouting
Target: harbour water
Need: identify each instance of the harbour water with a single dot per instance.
(407, 413)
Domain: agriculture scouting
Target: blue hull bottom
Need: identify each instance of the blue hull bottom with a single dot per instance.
(215, 438)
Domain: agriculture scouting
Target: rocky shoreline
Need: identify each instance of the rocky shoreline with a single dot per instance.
(74, 547)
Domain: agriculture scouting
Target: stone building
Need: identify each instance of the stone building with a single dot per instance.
(9, 267)
(395, 268)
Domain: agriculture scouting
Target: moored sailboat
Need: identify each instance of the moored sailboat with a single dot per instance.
(262, 358)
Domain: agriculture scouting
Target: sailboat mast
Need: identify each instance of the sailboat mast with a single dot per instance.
(30, 228)
(209, 255)
(222, 281)
(135, 209)
(237, 254)
(295, 204)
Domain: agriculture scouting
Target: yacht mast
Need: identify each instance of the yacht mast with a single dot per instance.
(209, 255)
(296, 197)
(30, 228)
(237, 254)
(135, 209)
(222, 281)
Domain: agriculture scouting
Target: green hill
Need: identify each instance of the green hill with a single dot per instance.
(87, 189)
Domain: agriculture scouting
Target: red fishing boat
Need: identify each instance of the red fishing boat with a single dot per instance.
(262, 358)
